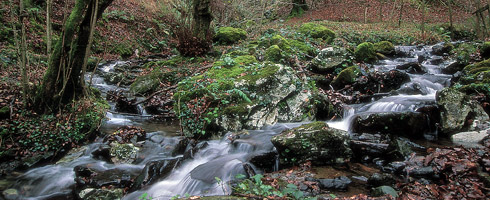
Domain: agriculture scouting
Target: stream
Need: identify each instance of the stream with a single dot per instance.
(218, 159)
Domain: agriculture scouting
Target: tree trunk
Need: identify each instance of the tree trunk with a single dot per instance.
(401, 13)
(23, 53)
(299, 7)
(48, 27)
(202, 17)
(450, 6)
(422, 25)
(62, 81)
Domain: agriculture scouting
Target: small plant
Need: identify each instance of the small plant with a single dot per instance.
(145, 196)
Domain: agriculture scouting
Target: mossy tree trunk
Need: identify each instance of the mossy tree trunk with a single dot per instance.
(62, 81)
(202, 18)
(299, 7)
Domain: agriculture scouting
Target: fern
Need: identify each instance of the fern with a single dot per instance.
(241, 94)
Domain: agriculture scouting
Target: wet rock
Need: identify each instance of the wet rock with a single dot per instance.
(458, 111)
(452, 68)
(154, 171)
(383, 191)
(381, 82)
(127, 134)
(370, 148)
(193, 149)
(157, 139)
(87, 176)
(101, 194)
(486, 141)
(123, 153)
(265, 160)
(442, 49)
(422, 172)
(315, 142)
(413, 88)
(378, 179)
(182, 146)
(410, 124)
(472, 139)
(396, 167)
(328, 60)
(72, 155)
(385, 47)
(401, 149)
(346, 77)
(10, 194)
(339, 183)
(412, 68)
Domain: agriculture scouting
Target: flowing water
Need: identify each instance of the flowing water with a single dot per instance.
(220, 160)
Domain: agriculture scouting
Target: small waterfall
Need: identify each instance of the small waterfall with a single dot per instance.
(345, 123)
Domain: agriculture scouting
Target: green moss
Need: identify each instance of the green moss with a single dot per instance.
(365, 52)
(222, 70)
(302, 47)
(477, 68)
(265, 72)
(148, 83)
(319, 125)
(273, 53)
(230, 35)
(317, 31)
(239, 110)
(384, 47)
(123, 49)
(485, 50)
(346, 77)
(464, 53)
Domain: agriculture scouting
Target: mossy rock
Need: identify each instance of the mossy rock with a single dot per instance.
(230, 35)
(383, 191)
(315, 142)
(146, 84)
(317, 31)
(485, 50)
(273, 53)
(365, 52)
(346, 77)
(385, 47)
(477, 73)
(464, 53)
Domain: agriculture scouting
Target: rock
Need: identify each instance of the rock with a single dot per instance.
(410, 124)
(146, 84)
(365, 52)
(329, 59)
(317, 31)
(123, 153)
(4, 112)
(103, 152)
(264, 160)
(486, 141)
(274, 53)
(385, 47)
(396, 167)
(485, 50)
(442, 49)
(154, 171)
(377, 179)
(339, 183)
(87, 176)
(346, 77)
(401, 149)
(422, 172)
(457, 110)
(383, 191)
(412, 68)
(72, 155)
(452, 68)
(381, 82)
(10, 193)
(472, 139)
(230, 35)
(369, 145)
(193, 149)
(127, 134)
(101, 194)
(315, 142)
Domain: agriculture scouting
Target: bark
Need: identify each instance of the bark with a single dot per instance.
(299, 7)
(62, 81)
(202, 17)
(48, 27)
(23, 53)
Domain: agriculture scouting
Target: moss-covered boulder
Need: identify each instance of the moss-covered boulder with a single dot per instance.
(346, 77)
(365, 52)
(477, 73)
(465, 53)
(385, 47)
(146, 83)
(123, 153)
(485, 50)
(101, 194)
(330, 59)
(274, 53)
(442, 49)
(247, 95)
(315, 142)
(458, 110)
(230, 35)
(317, 31)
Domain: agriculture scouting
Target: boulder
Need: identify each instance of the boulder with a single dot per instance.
(385, 47)
(340, 183)
(485, 50)
(315, 142)
(378, 179)
(458, 111)
(317, 31)
(412, 68)
(452, 68)
(155, 171)
(381, 82)
(442, 49)
(87, 176)
(346, 77)
(123, 153)
(410, 124)
(383, 191)
(329, 59)
(365, 52)
(274, 53)
(230, 35)
(101, 194)
(471, 139)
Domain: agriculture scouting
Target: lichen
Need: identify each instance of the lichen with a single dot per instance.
(317, 31)
(230, 35)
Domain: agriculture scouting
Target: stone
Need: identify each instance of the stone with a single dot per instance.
(329, 59)
(155, 171)
(378, 179)
(422, 172)
(485, 50)
(123, 153)
(317, 31)
(412, 68)
(346, 77)
(157, 139)
(101, 194)
(471, 139)
(383, 191)
(452, 68)
(410, 124)
(315, 142)
(385, 47)
(457, 109)
(230, 35)
(339, 183)
(264, 160)
(365, 52)
(11, 193)
(442, 49)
